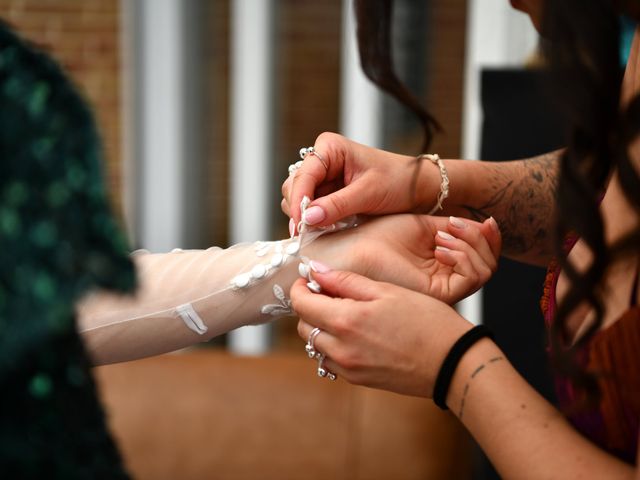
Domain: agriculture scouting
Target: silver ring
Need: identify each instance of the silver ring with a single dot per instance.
(309, 347)
(312, 151)
(324, 372)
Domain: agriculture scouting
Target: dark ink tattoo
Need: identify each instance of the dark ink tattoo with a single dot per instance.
(523, 204)
(468, 384)
(480, 213)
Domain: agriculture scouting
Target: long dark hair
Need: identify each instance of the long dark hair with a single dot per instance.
(376, 59)
(583, 48)
(582, 51)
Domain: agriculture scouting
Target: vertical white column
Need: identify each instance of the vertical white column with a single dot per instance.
(161, 84)
(361, 101)
(162, 146)
(251, 144)
(497, 36)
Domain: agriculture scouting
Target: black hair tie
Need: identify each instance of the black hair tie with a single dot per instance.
(448, 368)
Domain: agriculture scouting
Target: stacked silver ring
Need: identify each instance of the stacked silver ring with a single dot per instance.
(315, 354)
(310, 348)
(304, 151)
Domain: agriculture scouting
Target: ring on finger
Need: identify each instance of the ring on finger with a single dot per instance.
(312, 151)
(323, 371)
(309, 347)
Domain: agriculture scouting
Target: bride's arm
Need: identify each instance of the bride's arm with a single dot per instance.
(186, 297)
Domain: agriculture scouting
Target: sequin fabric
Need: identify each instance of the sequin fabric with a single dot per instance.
(58, 239)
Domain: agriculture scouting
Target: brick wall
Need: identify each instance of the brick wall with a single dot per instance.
(83, 35)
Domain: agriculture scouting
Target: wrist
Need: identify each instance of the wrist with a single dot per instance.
(477, 358)
(333, 250)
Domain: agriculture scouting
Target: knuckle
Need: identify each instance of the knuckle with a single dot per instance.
(328, 137)
(484, 273)
(342, 326)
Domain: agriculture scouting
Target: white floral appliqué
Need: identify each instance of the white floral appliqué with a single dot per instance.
(278, 309)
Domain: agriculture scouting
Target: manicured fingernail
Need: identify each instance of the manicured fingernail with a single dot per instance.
(445, 235)
(494, 224)
(442, 249)
(292, 227)
(314, 286)
(456, 222)
(313, 215)
(319, 267)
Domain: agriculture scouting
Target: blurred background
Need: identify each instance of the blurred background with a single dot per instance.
(203, 104)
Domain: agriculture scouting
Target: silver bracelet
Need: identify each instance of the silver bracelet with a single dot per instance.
(444, 186)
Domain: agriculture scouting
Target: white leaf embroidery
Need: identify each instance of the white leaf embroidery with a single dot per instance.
(279, 293)
(274, 309)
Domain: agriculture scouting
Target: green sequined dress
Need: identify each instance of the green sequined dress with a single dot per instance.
(58, 239)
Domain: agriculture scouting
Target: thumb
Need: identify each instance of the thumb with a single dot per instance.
(337, 205)
(343, 284)
(491, 232)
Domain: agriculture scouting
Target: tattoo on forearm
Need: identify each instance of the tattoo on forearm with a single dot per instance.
(523, 206)
(473, 375)
(480, 214)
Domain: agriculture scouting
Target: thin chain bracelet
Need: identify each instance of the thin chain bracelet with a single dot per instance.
(444, 186)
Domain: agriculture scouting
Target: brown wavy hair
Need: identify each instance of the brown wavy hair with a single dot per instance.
(583, 49)
(582, 45)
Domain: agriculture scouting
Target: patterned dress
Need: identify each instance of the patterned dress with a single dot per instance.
(58, 239)
(613, 354)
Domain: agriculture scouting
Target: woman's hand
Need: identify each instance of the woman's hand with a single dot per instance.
(377, 334)
(446, 258)
(350, 178)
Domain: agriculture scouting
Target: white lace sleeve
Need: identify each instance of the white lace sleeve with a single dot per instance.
(190, 296)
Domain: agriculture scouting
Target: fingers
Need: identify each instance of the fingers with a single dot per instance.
(324, 343)
(347, 285)
(316, 170)
(341, 295)
(492, 233)
(321, 190)
(482, 238)
(316, 307)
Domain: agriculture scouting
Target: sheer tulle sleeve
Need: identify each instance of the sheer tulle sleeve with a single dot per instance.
(191, 296)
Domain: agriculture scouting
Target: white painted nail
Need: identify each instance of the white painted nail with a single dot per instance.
(445, 235)
(456, 222)
(319, 267)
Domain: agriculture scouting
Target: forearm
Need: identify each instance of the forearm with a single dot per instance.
(188, 297)
(523, 435)
(519, 194)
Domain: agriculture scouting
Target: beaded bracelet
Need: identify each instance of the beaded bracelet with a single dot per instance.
(444, 186)
(448, 368)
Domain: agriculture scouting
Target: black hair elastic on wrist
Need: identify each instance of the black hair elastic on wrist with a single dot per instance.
(464, 343)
